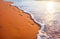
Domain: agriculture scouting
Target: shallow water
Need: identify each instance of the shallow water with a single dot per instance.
(45, 13)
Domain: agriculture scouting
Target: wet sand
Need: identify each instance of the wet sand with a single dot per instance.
(15, 24)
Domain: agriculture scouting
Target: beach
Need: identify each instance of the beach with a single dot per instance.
(15, 23)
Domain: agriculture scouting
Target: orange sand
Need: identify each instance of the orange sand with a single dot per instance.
(15, 24)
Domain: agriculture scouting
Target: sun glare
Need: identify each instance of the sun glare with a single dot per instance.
(50, 7)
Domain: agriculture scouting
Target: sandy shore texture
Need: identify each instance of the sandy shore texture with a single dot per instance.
(15, 24)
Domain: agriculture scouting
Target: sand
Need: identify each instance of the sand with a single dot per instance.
(15, 24)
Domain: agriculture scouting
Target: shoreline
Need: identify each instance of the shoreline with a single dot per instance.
(15, 24)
